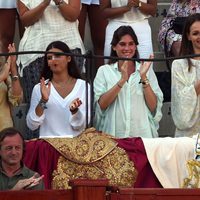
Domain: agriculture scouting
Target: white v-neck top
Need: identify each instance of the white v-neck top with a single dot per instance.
(57, 120)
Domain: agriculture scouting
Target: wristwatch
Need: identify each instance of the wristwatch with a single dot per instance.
(42, 104)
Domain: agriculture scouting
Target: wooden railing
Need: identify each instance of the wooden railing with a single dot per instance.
(98, 190)
(154, 194)
(81, 190)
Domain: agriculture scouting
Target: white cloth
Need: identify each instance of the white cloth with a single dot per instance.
(185, 102)
(137, 21)
(7, 4)
(89, 2)
(51, 26)
(128, 115)
(57, 120)
(168, 158)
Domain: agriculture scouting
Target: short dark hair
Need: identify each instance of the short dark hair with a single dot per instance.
(11, 131)
(118, 34)
(73, 70)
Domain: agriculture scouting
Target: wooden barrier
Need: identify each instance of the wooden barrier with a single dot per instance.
(81, 190)
(96, 190)
(89, 189)
(154, 194)
(37, 195)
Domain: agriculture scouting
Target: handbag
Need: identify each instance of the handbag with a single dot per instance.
(178, 24)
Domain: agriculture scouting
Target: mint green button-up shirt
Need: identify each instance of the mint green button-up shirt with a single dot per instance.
(128, 115)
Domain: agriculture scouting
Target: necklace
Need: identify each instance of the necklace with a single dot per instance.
(62, 84)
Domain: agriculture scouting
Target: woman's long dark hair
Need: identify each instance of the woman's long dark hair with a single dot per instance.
(186, 45)
(73, 70)
(118, 34)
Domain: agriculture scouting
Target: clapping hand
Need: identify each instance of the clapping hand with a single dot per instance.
(132, 3)
(11, 49)
(45, 89)
(145, 67)
(74, 105)
(124, 70)
(12, 59)
(28, 183)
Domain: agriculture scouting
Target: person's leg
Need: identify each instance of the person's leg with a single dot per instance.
(21, 27)
(82, 20)
(175, 49)
(97, 26)
(7, 28)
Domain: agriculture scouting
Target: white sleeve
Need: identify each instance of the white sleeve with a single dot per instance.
(32, 120)
(184, 102)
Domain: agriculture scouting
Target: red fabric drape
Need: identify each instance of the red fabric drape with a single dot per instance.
(41, 157)
(134, 147)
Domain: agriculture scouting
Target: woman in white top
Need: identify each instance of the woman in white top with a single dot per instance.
(186, 81)
(58, 105)
(91, 9)
(128, 100)
(8, 15)
(130, 12)
(45, 21)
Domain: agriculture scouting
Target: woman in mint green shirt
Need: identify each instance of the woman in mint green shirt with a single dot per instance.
(128, 99)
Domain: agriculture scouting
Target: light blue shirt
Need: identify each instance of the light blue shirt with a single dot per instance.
(128, 115)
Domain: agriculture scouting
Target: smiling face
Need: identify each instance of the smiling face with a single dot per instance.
(57, 63)
(126, 47)
(11, 150)
(194, 36)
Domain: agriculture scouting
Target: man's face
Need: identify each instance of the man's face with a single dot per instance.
(11, 150)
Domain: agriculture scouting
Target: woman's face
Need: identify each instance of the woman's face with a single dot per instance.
(194, 36)
(57, 63)
(126, 47)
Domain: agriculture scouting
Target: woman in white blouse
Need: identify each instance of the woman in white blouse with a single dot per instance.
(58, 104)
(128, 99)
(186, 81)
(130, 12)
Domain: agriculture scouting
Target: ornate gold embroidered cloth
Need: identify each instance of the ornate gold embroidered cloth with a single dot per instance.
(91, 155)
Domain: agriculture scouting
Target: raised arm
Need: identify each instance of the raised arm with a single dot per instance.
(15, 84)
(29, 17)
(149, 95)
(4, 72)
(148, 8)
(70, 11)
(109, 97)
(109, 12)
